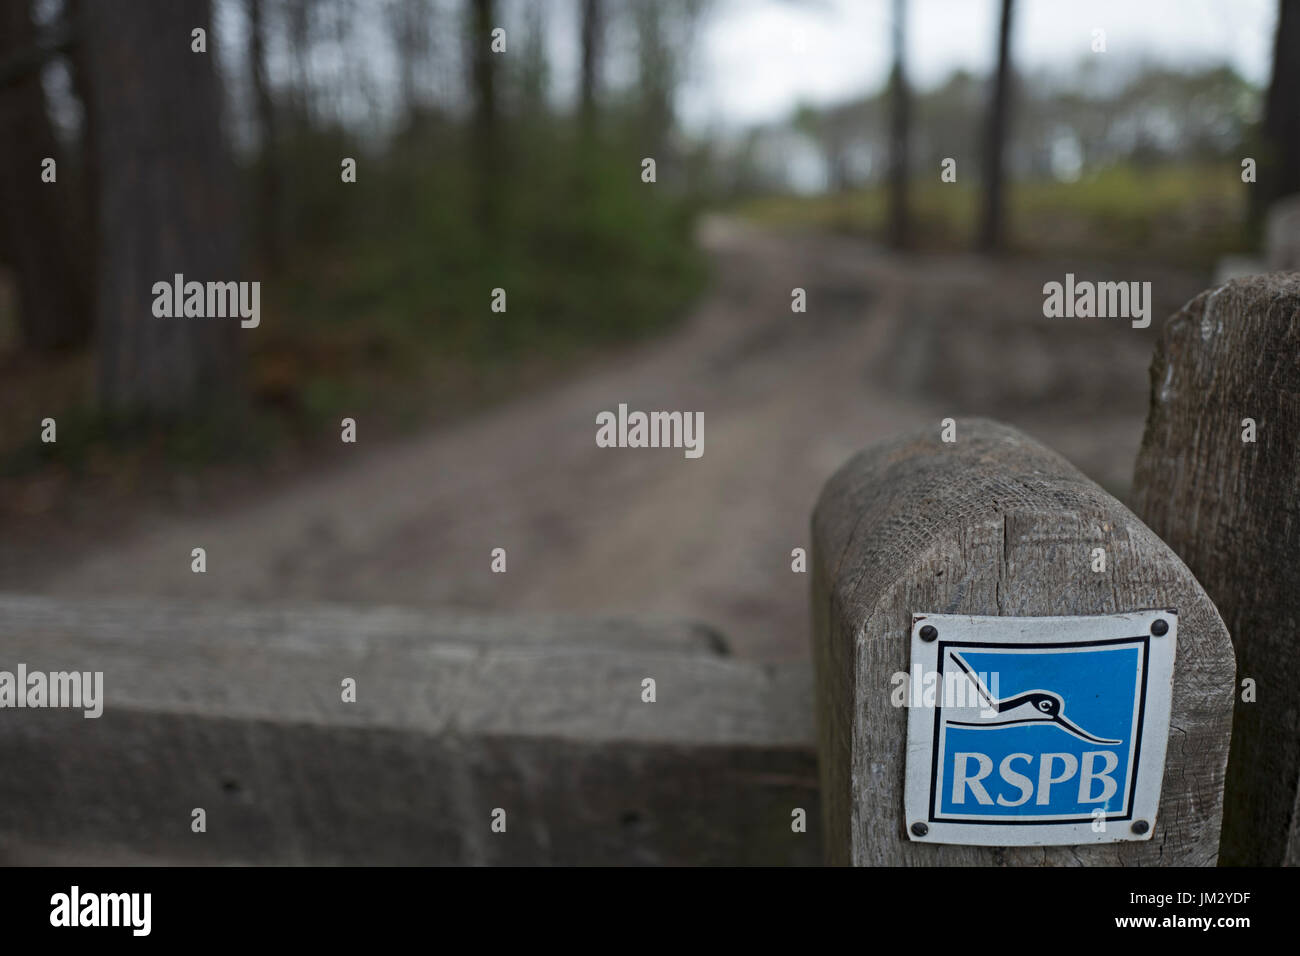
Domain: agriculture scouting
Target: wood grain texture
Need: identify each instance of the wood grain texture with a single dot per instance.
(237, 709)
(992, 524)
(1231, 509)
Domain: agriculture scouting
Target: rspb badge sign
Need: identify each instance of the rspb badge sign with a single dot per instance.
(1035, 731)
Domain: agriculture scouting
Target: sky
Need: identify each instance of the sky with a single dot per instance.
(756, 60)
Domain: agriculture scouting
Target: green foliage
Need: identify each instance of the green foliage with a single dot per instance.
(586, 253)
(89, 442)
(1185, 215)
(381, 307)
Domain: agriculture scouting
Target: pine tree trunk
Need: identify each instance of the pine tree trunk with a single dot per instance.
(486, 149)
(899, 123)
(591, 43)
(992, 224)
(269, 192)
(167, 205)
(41, 223)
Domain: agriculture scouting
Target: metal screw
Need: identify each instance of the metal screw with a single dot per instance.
(1160, 627)
(1140, 826)
(920, 829)
(929, 633)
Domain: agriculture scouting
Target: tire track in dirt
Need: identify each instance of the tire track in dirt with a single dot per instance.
(786, 399)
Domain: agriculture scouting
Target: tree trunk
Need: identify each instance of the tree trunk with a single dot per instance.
(269, 193)
(300, 36)
(1279, 164)
(89, 153)
(656, 75)
(39, 222)
(167, 202)
(405, 25)
(592, 35)
(992, 223)
(486, 150)
(899, 123)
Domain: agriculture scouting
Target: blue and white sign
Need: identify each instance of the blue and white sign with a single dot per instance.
(1033, 731)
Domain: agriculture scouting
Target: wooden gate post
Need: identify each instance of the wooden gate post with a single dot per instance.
(992, 524)
(1218, 477)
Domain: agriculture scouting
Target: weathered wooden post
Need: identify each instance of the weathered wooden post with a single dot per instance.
(1218, 478)
(1055, 756)
(324, 735)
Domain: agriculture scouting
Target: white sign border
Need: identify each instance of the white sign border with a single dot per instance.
(1011, 631)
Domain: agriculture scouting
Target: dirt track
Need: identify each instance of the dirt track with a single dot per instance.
(886, 344)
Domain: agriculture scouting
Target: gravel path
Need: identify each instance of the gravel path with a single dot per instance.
(886, 344)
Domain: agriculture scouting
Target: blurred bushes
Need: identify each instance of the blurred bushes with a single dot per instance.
(1183, 215)
(380, 305)
(393, 276)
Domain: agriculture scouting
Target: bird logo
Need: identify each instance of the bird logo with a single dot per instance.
(1032, 707)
